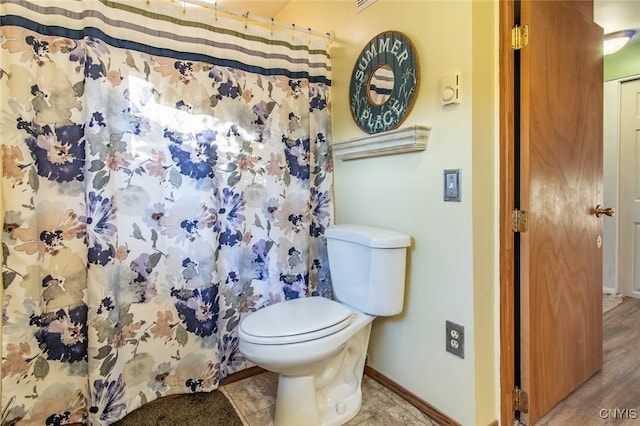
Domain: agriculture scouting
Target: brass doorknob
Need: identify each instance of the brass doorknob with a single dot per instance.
(609, 211)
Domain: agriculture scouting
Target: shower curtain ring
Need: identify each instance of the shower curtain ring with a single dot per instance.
(246, 19)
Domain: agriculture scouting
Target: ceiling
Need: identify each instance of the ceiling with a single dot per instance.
(612, 15)
(616, 15)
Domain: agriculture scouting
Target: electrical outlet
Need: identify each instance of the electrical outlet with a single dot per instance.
(455, 339)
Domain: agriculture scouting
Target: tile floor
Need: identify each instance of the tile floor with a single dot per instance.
(254, 399)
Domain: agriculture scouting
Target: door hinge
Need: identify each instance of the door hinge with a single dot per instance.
(519, 37)
(520, 400)
(519, 221)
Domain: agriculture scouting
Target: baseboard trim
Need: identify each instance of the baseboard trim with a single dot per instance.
(242, 374)
(411, 398)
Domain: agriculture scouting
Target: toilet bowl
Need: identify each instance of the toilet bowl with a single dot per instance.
(320, 368)
(318, 346)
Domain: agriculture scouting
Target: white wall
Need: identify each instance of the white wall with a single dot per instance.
(452, 262)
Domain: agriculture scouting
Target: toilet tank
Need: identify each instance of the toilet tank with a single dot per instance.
(368, 267)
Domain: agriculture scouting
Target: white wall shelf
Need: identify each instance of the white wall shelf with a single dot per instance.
(409, 139)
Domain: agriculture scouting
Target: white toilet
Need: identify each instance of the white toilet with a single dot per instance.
(318, 346)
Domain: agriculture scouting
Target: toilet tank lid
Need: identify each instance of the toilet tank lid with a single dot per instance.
(368, 235)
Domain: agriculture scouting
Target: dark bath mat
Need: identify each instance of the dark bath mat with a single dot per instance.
(196, 409)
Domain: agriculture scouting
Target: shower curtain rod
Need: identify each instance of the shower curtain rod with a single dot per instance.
(248, 15)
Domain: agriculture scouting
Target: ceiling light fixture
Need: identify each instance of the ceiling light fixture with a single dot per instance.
(616, 41)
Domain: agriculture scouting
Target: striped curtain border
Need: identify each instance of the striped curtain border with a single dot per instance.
(130, 27)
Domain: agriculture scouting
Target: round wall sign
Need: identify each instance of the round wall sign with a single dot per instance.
(384, 82)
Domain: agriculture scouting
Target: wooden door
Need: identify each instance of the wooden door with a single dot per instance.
(629, 212)
(561, 98)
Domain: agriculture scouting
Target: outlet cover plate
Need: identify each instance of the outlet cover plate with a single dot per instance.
(455, 339)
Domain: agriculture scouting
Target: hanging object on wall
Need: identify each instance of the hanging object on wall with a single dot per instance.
(384, 82)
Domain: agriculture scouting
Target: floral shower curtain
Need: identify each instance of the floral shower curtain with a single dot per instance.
(164, 171)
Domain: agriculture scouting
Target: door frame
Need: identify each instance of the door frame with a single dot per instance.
(625, 288)
(507, 203)
(611, 184)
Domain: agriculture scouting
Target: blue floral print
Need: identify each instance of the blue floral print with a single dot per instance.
(150, 203)
(63, 335)
(59, 154)
(230, 217)
(297, 154)
(198, 310)
(195, 158)
(99, 220)
(107, 402)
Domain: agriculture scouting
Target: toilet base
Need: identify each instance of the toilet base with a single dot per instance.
(331, 395)
(296, 402)
(297, 405)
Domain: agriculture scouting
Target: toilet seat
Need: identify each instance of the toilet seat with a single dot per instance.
(294, 321)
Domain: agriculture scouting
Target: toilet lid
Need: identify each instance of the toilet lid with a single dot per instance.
(295, 320)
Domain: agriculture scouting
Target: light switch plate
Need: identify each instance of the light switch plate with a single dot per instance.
(452, 185)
